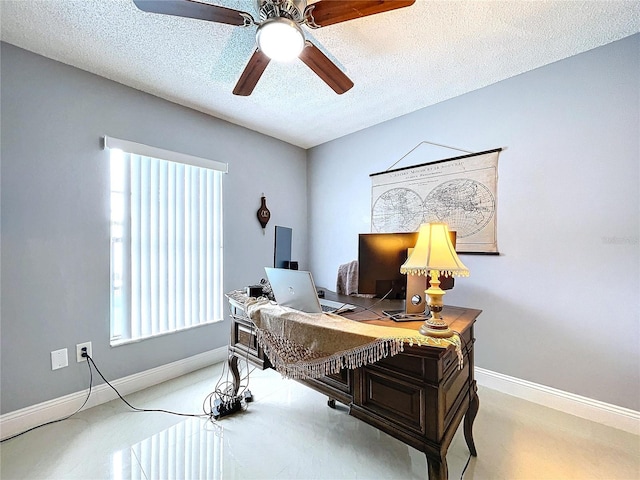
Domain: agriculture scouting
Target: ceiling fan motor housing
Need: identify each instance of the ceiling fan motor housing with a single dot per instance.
(291, 9)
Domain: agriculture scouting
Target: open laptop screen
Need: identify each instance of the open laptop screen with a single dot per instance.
(294, 289)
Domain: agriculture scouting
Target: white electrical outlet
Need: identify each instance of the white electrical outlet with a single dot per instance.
(79, 348)
(59, 359)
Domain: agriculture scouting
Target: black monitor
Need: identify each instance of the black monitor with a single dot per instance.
(282, 247)
(380, 256)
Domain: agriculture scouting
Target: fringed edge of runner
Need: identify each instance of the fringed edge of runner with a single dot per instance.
(354, 358)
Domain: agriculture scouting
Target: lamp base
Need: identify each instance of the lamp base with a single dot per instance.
(434, 326)
(435, 329)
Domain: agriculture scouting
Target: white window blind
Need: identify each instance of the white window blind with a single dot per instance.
(166, 241)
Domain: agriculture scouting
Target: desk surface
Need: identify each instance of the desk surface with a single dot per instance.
(458, 318)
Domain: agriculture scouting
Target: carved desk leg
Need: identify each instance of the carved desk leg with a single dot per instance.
(233, 367)
(437, 468)
(469, 418)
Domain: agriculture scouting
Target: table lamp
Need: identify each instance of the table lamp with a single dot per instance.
(434, 255)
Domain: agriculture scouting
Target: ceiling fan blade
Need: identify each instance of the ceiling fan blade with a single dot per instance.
(328, 12)
(192, 9)
(251, 74)
(325, 68)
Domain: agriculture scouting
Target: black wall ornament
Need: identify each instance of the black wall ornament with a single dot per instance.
(263, 213)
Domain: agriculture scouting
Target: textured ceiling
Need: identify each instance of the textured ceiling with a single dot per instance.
(400, 61)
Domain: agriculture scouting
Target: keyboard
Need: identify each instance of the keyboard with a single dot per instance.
(330, 306)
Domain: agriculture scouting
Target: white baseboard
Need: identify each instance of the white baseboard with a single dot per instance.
(583, 407)
(20, 420)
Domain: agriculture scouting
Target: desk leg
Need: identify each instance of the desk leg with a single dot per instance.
(469, 418)
(437, 468)
(233, 367)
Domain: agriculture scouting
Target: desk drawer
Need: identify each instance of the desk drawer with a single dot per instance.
(245, 336)
(403, 403)
(431, 364)
(244, 342)
(343, 380)
(398, 401)
(337, 387)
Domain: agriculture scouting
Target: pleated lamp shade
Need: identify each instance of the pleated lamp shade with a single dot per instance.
(434, 251)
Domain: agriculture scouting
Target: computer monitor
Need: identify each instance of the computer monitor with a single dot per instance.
(282, 247)
(380, 256)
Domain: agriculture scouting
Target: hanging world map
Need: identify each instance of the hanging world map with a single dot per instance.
(465, 205)
(398, 210)
(459, 191)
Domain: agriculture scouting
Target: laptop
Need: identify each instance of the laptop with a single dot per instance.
(295, 289)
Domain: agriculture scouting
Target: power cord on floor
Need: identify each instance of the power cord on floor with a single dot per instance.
(227, 397)
(60, 419)
(90, 363)
(465, 467)
(205, 415)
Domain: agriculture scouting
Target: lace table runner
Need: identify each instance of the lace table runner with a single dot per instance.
(311, 345)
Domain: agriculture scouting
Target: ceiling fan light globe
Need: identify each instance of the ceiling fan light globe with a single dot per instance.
(280, 39)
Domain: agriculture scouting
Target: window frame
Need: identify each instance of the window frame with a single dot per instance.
(122, 332)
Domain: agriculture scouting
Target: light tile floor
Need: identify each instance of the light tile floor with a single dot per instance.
(288, 432)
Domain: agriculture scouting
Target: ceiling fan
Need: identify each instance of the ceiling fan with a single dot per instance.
(279, 35)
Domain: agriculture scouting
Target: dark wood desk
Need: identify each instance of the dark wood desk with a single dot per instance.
(419, 396)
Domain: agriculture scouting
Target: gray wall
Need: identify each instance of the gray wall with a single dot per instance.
(561, 304)
(55, 218)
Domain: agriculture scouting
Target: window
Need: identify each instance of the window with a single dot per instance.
(166, 241)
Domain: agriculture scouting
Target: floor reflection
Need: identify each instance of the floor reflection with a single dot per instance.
(191, 449)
